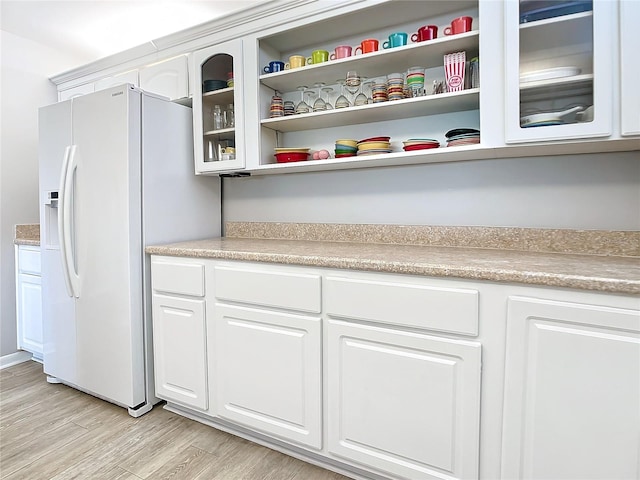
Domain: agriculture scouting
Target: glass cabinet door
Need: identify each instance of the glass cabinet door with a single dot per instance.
(558, 69)
(217, 108)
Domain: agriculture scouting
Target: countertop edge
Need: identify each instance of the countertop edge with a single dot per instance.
(538, 278)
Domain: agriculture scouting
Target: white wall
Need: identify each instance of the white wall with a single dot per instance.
(595, 191)
(25, 68)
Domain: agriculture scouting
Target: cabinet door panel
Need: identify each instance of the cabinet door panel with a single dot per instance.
(179, 341)
(405, 403)
(572, 391)
(268, 373)
(30, 314)
(169, 78)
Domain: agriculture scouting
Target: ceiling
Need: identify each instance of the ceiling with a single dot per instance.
(92, 29)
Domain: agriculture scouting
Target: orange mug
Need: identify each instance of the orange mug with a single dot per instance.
(367, 46)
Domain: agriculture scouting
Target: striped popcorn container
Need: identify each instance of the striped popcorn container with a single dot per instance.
(454, 65)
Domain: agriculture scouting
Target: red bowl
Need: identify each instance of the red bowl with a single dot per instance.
(423, 146)
(285, 157)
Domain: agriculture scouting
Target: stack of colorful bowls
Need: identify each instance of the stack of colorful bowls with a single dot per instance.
(346, 148)
(395, 86)
(374, 146)
(462, 136)
(420, 144)
(288, 154)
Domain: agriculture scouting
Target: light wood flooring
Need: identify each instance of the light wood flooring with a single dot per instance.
(55, 432)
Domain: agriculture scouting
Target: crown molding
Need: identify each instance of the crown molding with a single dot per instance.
(240, 21)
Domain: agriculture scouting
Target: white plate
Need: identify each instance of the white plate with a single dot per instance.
(549, 73)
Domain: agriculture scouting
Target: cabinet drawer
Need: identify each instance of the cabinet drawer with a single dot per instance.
(295, 291)
(29, 260)
(406, 304)
(177, 277)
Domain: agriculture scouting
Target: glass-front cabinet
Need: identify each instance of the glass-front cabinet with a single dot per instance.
(217, 108)
(559, 69)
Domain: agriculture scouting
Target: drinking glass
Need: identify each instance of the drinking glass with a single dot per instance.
(361, 97)
(302, 107)
(327, 103)
(319, 105)
(352, 84)
(342, 101)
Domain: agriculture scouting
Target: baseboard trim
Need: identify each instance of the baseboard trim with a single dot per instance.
(14, 359)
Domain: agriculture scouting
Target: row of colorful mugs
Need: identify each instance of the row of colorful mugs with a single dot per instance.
(369, 45)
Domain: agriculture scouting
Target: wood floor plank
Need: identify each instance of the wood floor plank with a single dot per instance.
(54, 432)
(185, 465)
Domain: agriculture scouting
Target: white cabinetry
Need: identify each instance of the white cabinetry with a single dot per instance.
(74, 92)
(559, 58)
(629, 68)
(126, 77)
(266, 364)
(169, 78)
(179, 331)
(406, 403)
(215, 64)
(427, 116)
(29, 299)
(572, 392)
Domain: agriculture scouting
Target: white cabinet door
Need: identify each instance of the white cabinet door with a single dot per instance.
(211, 65)
(572, 393)
(179, 344)
(75, 92)
(556, 63)
(125, 77)
(629, 68)
(169, 78)
(267, 372)
(404, 403)
(29, 300)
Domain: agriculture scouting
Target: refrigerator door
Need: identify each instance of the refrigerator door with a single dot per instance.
(107, 244)
(58, 313)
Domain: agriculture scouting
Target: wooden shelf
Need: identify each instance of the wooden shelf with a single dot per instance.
(557, 88)
(427, 54)
(376, 112)
(220, 97)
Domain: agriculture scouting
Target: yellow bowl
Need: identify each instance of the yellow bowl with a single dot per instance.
(350, 143)
(373, 145)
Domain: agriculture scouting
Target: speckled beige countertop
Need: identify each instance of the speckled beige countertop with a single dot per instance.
(605, 273)
(27, 234)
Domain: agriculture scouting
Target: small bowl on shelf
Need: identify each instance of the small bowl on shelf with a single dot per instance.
(285, 157)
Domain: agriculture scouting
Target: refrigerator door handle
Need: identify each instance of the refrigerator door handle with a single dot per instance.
(73, 279)
(62, 194)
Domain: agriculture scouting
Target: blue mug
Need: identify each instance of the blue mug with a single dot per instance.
(274, 66)
(396, 40)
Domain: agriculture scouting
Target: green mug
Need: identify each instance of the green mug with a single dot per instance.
(318, 56)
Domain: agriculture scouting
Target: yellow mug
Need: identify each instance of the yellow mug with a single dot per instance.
(295, 61)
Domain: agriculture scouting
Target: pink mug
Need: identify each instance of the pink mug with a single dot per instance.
(367, 46)
(459, 25)
(428, 32)
(341, 51)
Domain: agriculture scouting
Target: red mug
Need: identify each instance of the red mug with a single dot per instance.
(367, 46)
(428, 32)
(459, 25)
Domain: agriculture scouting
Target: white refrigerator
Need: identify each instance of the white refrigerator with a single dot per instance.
(116, 174)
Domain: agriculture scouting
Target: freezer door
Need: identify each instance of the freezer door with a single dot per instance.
(58, 308)
(107, 253)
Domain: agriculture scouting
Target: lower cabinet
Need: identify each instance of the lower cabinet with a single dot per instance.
(403, 377)
(572, 392)
(29, 300)
(179, 342)
(267, 371)
(404, 403)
